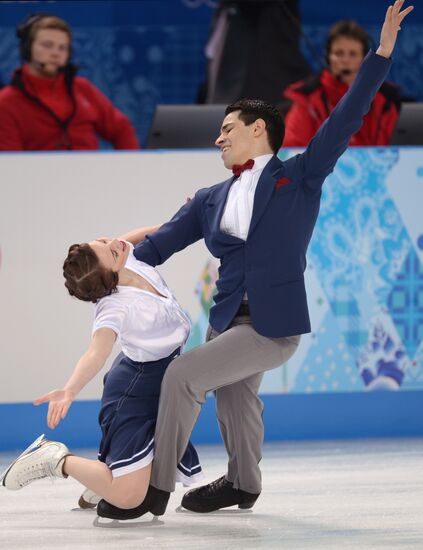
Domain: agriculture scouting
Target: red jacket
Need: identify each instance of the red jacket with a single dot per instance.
(315, 98)
(66, 113)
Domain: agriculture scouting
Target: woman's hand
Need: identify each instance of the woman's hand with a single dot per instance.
(87, 367)
(59, 402)
(391, 26)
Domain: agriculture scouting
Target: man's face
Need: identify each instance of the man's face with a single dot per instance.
(236, 140)
(50, 50)
(345, 57)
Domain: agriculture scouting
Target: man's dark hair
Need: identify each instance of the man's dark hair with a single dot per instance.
(350, 29)
(252, 109)
(85, 277)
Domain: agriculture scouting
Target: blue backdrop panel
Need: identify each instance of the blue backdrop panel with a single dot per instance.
(364, 281)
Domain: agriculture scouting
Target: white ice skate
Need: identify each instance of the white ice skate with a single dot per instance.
(43, 458)
(88, 500)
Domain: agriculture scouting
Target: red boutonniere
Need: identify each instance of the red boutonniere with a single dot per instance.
(281, 182)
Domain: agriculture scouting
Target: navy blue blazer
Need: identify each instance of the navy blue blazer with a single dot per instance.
(269, 265)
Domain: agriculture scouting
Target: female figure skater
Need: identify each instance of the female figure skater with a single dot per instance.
(133, 304)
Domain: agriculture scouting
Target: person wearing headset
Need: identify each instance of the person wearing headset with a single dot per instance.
(314, 98)
(47, 106)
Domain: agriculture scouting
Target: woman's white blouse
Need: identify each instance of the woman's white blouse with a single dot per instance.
(149, 327)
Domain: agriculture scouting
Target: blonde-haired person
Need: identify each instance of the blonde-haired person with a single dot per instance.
(47, 106)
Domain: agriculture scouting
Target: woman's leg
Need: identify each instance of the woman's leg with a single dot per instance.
(127, 491)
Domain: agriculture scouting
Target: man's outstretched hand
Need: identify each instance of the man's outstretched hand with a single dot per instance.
(391, 26)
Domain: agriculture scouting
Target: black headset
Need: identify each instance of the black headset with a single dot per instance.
(23, 32)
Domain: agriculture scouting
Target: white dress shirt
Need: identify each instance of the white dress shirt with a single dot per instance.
(236, 217)
(148, 326)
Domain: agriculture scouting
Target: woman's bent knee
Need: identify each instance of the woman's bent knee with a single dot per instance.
(129, 491)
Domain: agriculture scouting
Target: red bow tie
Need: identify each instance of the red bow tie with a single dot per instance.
(237, 169)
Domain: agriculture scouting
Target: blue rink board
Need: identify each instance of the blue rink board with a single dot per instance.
(286, 417)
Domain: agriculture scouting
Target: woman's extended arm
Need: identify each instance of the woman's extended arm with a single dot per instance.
(86, 368)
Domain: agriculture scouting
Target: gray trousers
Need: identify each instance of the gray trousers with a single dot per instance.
(232, 365)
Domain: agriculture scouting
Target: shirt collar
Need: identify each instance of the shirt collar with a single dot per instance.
(260, 162)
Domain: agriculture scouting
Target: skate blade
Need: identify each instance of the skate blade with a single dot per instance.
(88, 500)
(33, 445)
(105, 523)
(223, 511)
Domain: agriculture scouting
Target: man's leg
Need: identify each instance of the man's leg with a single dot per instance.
(240, 414)
(243, 452)
(239, 411)
(235, 355)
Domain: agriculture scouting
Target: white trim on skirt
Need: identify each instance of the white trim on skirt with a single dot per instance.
(186, 480)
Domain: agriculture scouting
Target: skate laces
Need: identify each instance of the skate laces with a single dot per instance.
(215, 486)
(37, 469)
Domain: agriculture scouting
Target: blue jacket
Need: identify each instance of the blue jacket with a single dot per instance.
(270, 264)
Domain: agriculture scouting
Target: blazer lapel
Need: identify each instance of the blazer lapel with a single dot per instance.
(264, 190)
(215, 206)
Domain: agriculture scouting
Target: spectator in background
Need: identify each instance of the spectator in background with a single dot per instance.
(47, 106)
(314, 99)
(253, 51)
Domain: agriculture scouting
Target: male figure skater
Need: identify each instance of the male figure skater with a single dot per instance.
(258, 223)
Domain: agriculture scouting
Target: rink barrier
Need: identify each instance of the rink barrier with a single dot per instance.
(286, 417)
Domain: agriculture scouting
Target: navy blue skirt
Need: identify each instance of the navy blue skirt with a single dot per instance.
(128, 417)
